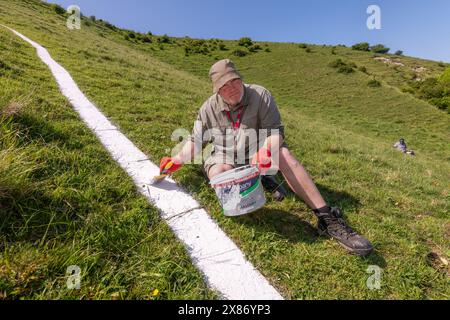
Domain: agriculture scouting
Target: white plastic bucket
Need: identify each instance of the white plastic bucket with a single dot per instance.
(239, 190)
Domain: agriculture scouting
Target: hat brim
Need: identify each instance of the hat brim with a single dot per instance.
(225, 78)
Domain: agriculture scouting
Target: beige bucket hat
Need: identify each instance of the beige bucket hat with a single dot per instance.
(221, 72)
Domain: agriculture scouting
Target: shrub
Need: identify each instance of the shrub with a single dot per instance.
(222, 47)
(308, 50)
(127, 37)
(109, 25)
(337, 63)
(240, 53)
(146, 39)
(4, 66)
(443, 103)
(379, 48)
(303, 45)
(164, 39)
(254, 48)
(374, 83)
(58, 9)
(267, 50)
(245, 42)
(445, 77)
(362, 46)
(93, 18)
(345, 69)
(363, 69)
(196, 46)
(407, 89)
(132, 35)
(398, 53)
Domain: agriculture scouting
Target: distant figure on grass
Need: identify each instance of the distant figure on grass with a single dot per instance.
(228, 114)
(401, 146)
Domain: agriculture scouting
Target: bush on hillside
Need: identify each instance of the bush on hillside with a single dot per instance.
(303, 45)
(58, 9)
(398, 53)
(342, 67)
(363, 69)
(146, 39)
(254, 48)
(362, 46)
(445, 77)
(196, 47)
(240, 53)
(379, 48)
(433, 90)
(109, 25)
(164, 39)
(345, 69)
(245, 42)
(374, 83)
(337, 63)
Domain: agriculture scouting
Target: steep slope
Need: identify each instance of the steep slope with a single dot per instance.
(338, 127)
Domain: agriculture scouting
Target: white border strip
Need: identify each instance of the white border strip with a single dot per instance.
(223, 265)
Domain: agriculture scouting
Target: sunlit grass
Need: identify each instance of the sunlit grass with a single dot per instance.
(339, 128)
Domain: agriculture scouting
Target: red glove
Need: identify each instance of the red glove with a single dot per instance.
(168, 166)
(263, 159)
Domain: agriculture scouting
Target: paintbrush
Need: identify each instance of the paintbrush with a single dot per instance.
(163, 174)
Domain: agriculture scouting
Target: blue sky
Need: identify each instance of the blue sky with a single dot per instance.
(419, 28)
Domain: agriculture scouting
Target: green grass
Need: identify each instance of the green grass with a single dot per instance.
(63, 202)
(341, 129)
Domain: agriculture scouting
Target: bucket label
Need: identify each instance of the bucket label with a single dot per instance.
(229, 197)
(249, 186)
(240, 196)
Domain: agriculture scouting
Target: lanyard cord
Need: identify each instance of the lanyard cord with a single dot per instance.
(237, 124)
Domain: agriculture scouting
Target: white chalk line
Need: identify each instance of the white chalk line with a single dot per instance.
(220, 261)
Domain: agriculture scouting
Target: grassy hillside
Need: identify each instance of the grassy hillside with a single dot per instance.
(64, 201)
(341, 129)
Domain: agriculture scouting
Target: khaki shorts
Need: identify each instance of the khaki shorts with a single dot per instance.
(222, 159)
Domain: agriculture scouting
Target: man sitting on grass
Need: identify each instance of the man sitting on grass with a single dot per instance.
(235, 107)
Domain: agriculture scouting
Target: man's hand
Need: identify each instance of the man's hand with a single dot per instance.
(169, 165)
(263, 160)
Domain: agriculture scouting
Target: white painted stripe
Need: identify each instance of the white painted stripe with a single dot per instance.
(222, 264)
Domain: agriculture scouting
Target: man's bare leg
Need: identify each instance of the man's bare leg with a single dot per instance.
(218, 169)
(299, 180)
(329, 222)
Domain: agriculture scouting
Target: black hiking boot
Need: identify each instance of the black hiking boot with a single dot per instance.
(271, 184)
(331, 223)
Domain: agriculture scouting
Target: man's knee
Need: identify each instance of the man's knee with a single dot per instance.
(218, 169)
(287, 158)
